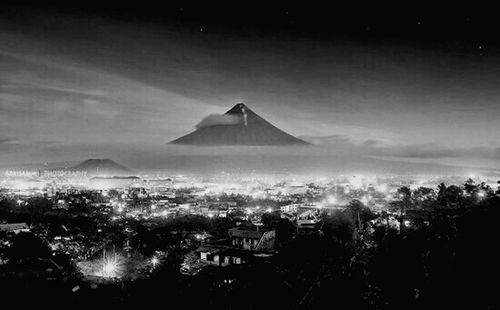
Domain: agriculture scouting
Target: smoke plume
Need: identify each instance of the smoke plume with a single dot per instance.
(219, 119)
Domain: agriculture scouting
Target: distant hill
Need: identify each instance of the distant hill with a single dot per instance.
(101, 167)
(238, 126)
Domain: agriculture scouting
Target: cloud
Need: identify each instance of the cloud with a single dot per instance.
(373, 143)
(352, 139)
(427, 152)
(26, 87)
(434, 151)
(7, 140)
(9, 145)
(57, 98)
(327, 140)
(219, 119)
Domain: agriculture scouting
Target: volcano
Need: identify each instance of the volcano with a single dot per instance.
(248, 129)
(105, 166)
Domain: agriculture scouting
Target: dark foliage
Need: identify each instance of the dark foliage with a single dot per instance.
(444, 258)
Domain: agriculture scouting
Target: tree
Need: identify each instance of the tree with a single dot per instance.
(145, 241)
(237, 213)
(359, 213)
(450, 197)
(441, 196)
(37, 206)
(470, 188)
(271, 220)
(454, 196)
(7, 206)
(402, 204)
(219, 226)
(339, 226)
(192, 264)
(423, 197)
(27, 247)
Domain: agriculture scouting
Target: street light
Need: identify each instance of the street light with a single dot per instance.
(155, 261)
(109, 269)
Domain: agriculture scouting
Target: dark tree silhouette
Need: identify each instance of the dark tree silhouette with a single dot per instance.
(26, 247)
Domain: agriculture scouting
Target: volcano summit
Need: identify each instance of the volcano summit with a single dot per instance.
(238, 126)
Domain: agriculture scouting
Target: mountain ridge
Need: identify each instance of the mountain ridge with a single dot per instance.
(101, 166)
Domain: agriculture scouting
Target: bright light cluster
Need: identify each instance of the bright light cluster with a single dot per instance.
(111, 267)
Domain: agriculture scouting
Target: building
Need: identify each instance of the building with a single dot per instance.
(252, 240)
(307, 219)
(243, 245)
(14, 227)
(107, 183)
(221, 256)
(290, 208)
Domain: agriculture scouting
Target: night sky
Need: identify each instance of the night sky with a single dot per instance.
(411, 83)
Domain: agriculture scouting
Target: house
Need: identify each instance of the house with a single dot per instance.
(213, 210)
(290, 208)
(252, 240)
(307, 219)
(14, 227)
(221, 256)
(244, 245)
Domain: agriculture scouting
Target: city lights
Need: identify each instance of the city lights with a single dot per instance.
(155, 261)
(331, 200)
(109, 269)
